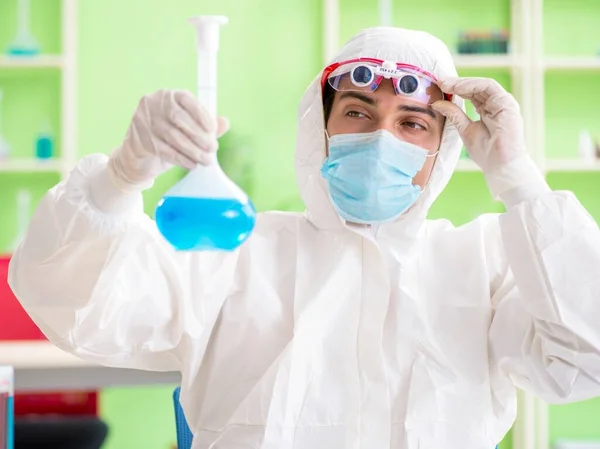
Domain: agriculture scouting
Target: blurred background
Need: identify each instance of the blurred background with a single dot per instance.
(72, 73)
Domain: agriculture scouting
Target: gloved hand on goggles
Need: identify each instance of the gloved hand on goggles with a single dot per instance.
(496, 143)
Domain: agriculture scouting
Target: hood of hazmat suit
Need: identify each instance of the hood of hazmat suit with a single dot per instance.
(389, 44)
(317, 334)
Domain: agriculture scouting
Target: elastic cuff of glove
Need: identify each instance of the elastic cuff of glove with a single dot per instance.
(107, 198)
(114, 167)
(517, 181)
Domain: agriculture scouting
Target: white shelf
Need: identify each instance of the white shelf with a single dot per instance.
(31, 62)
(486, 61)
(572, 165)
(467, 165)
(551, 165)
(572, 63)
(22, 165)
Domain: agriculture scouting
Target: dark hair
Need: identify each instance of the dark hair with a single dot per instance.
(328, 97)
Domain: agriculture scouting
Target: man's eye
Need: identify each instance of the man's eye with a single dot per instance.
(355, 114)
(415, 126)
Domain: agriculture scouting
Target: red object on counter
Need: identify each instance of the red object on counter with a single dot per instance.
(15, 324)
(67, 403)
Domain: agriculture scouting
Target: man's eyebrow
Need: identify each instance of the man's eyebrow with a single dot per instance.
(362, 97)
(417, 109)
(373, 102)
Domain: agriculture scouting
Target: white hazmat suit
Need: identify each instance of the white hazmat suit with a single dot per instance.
(318, 334)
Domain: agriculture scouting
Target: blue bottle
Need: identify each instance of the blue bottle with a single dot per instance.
(44, 143)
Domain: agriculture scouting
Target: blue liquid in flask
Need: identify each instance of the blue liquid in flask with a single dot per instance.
(205, 224)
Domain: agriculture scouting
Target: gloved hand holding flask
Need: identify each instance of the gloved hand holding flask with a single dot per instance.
(168, 128)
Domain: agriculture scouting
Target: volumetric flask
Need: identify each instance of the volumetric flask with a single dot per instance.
(206, 211)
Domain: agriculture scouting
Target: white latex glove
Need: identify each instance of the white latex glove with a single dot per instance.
(168, 128)
(498, 137)
(496, 142)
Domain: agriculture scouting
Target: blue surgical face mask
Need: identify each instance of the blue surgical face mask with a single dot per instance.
(370, 175)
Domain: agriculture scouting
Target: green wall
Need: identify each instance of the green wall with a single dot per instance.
(130, 48)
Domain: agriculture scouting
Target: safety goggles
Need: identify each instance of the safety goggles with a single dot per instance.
(366, 74)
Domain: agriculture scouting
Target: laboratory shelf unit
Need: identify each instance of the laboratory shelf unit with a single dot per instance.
(564, 56)
(65, 63)
(37, 89)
